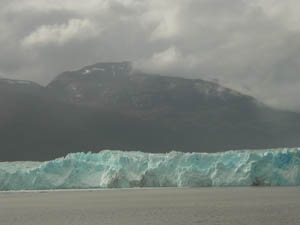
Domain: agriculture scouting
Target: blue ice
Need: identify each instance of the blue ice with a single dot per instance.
(120, 169)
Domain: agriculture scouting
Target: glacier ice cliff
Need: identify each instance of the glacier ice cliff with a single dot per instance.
(119, 169)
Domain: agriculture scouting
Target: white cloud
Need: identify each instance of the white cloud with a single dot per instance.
(75, 29)
(166, 58)
(252, 46)
(168, 61)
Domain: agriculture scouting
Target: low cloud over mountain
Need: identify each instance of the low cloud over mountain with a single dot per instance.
(251, 46)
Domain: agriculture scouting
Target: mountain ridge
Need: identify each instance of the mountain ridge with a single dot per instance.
(111, 106)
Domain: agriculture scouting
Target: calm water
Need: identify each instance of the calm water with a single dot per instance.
(209, 206)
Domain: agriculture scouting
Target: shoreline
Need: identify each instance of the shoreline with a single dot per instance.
(142, 188)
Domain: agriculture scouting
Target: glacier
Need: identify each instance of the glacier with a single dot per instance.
(122, 169)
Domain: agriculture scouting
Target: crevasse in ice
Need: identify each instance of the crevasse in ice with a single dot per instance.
(119, 169)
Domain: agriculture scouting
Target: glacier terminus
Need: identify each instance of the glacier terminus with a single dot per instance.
(122, 169)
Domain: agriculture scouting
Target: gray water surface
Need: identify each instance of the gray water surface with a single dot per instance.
(161, 206)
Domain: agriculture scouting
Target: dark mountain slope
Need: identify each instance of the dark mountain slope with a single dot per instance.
(106, 105)
(202, 113)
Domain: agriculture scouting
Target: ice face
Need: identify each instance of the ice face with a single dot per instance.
(119, 169)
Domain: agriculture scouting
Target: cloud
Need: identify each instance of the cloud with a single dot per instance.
(251, 46)
(163, 19)
(284, 12)
(60, 34)
(45, 6)
(170, 61)
(166, 58)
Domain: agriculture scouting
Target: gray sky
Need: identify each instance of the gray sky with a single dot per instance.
(250, 45)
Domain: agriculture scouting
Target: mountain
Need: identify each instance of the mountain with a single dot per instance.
(108, 105)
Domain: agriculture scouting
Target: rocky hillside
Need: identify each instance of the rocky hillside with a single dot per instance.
(107, 105)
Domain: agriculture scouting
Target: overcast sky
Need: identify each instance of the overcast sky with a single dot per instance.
(250, 45)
